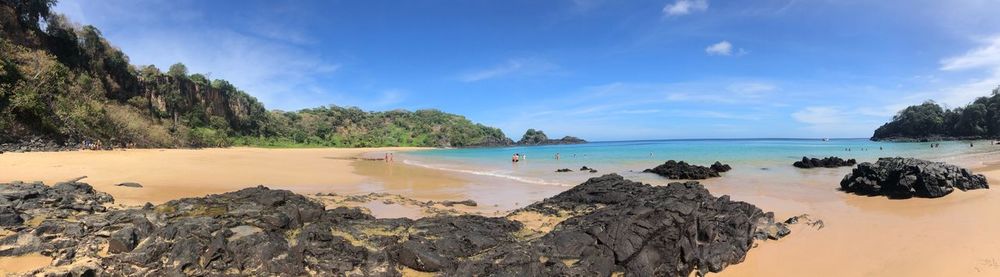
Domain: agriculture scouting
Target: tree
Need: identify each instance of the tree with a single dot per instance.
(178, 70)
(29, 12)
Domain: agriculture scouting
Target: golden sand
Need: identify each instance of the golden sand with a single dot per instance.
(25, 263)
(955, 235)
(177, 173)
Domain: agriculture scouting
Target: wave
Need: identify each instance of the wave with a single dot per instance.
(495, 174)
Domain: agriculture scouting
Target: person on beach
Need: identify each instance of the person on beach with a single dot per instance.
(514, 158)
(386, 159)
(391, 158)
(557, 156)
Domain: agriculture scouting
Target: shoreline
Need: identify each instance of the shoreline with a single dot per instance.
(854, 224)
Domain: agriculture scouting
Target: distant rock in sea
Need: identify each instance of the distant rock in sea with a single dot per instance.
(669, 230)
(909, 177)
(538, 137)
(828, 162)
(684, 171)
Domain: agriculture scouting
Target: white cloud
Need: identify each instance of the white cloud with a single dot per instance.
(509, 68)
(723, 48)
(987, 56)
(752, 89)
(819, 115)
(683, 7)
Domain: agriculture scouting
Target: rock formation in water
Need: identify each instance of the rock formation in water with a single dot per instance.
(538, 137)
(611, 226)
(909, 177)
(684, 171)
(828, 162)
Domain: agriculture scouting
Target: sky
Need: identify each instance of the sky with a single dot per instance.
(600, 70)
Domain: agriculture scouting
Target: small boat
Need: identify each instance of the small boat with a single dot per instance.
(826, 139)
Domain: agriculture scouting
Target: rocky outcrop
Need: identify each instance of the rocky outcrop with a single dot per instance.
(828, 162)
(684, 171)
(612, 226)
(538, 137)
(909, 177)
(38, 144)
(720, 167)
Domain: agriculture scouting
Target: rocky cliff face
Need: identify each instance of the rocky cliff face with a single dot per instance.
(608, 226)
(168, 96)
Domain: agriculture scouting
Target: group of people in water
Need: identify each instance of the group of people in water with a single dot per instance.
(389, 158)
(862, 149)
(519, 157)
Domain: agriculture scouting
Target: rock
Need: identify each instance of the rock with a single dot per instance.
(682, 170)
(613, 226)
(720, 167)
(587, 169)
(828, 162)
(129, 184)
(564, 170)
(648, 231)
(538, 137)
(909, 177)
(450, 203)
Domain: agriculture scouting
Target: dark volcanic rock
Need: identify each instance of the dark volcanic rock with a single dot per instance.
(829, 162)
(564, 170)
(720, 167)
(650, 231)
(614, 226)
(38, 144)
(908, 177)
(129, 184)
(682, 170)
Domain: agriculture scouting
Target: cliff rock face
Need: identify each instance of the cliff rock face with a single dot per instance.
(168, 96)
(909, 177)
(612, 226)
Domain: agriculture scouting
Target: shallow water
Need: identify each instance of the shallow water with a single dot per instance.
(749, 157)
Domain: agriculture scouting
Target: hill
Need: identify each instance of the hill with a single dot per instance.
(65, 83)
(929, 121)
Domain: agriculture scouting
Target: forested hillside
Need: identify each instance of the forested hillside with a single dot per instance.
(64, 82)
(980, 119)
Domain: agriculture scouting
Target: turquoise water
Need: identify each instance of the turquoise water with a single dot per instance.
(630, 157)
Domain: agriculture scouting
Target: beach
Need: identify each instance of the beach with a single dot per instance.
(861, 236)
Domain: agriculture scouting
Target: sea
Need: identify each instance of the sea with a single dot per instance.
(758, 158)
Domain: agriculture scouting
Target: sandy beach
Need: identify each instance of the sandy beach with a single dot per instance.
(862, 236)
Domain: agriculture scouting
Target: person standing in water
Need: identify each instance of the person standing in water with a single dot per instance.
(557, 156)
(514, 158)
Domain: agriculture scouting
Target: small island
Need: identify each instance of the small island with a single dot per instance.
(930, 122)
(538, 137)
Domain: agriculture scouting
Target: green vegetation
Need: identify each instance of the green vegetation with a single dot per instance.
(980, 119)
(67, 83)
(533, 136)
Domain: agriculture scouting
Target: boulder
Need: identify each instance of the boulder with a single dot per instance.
(684, 171)
(564, 170)
(909, 177)
(828, 162)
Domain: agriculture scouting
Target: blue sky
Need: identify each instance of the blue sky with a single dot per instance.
(602, 70)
